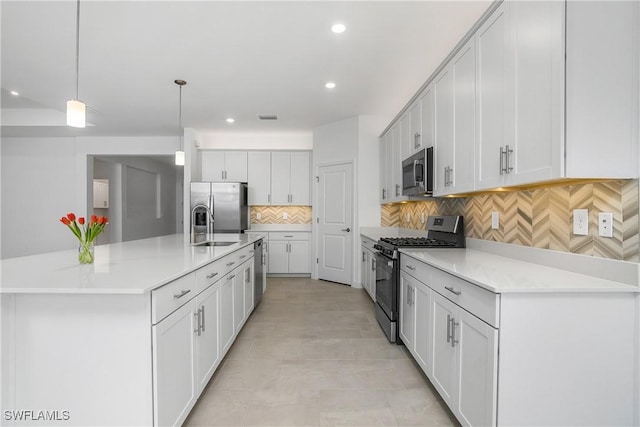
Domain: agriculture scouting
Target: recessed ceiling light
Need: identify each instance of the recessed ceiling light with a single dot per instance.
(14, 93)
(230, 120)
(329, 85)
(338, 28)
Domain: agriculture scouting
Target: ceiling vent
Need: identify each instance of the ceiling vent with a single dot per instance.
(268, 116)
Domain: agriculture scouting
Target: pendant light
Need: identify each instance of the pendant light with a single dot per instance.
(76, 116)
(180, 153)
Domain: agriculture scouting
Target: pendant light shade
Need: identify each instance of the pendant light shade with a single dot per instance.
(76, 110)
(179, 158)
(76, 113)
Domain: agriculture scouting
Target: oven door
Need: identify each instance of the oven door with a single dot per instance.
(387, 285)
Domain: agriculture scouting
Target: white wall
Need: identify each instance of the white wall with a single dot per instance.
(38, 188)
(255, 141)
(44, 178)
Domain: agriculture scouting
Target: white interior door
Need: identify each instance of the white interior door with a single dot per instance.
(335, 228)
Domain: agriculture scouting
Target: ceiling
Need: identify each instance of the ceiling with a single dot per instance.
(239, 58)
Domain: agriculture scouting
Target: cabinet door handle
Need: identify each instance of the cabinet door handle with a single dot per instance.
(397, 190)
(197, 320)
(410, 267)
(384, 193)
(212, 275)
(202, 319)
(448, 328)
(450, 289)
(454, 341)
(502, 160)
(416, 138)
(182, 293)
(373, 265)
(508, 151)
(364, 255)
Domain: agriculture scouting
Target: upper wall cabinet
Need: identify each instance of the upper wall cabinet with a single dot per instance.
(290, 178)
(228, 166)
(557, 95)
(259, 178)
(391, 165)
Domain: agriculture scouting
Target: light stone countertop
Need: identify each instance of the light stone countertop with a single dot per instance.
(501, 274)
(280, 227)
(376, 233)
(134, 267)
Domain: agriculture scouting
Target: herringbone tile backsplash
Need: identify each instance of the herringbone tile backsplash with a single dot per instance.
(541, 218)
(275, 214)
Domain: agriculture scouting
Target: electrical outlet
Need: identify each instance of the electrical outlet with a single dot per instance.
(258, 215)
(581, 222)
(495, 220)
(408, 217)
(285, 215)
(422, 217)
(605, 224)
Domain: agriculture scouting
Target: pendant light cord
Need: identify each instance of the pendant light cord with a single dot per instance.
(77, 48)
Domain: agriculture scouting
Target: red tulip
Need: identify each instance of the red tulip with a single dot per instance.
(94, 219)
(65, 221)
(81, 220)
(103, 220)
(71, 216)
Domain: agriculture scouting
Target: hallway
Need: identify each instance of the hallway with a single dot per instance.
(312, 354)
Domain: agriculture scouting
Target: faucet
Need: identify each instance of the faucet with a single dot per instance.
(194, 235)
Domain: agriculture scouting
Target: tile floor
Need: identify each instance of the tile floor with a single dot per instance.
(312, 354)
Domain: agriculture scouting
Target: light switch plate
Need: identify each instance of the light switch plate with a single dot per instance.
(285, 215)
(258, 215)
(495, 220)
(605, 224)
(581, 222)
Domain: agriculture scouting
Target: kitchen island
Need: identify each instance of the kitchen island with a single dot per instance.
(132, 339)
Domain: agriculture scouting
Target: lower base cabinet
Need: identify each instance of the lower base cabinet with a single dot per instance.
(521, 358)
(289, 253)
(368, 270)
(190, 342)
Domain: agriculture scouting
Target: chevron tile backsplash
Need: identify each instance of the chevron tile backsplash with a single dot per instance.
(275, 214)
(541, 218)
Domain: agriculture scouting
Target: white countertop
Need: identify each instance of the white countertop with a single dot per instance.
(501, 274)
(134, 267)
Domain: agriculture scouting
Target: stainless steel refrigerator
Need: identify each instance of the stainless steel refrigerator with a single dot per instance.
(223, 202)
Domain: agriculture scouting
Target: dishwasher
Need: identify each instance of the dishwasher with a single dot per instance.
(258, 272)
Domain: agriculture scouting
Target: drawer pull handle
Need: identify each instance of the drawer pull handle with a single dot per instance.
(450, 289)
(410, 267)
(288, 236)
(212, 275)
(182, 293)
(231, 277)
(229, 264)
(242, 256)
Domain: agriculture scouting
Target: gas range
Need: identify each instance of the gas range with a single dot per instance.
(443, 232)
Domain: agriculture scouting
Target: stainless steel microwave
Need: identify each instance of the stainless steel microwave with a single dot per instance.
(417, 174)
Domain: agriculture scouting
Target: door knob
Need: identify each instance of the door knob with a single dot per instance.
(346, 229)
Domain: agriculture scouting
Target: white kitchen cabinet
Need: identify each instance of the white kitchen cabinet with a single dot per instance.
(368, 267)
(416, 126)
(406, 136)
(427, 119)
(443, 147)
(290, 178)
(454, 92)
(289, 253)
(386, 145)
(259, 178)
(395, 157)
(242, 294)
(228, 166)
(101, 193)
(422, 335)
(407, 310)
(226, 312)
(208, 350)
(463, 69)
(443, 353)
(248, 278)
(174, 366)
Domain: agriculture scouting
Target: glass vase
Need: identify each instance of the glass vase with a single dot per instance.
(85, 253)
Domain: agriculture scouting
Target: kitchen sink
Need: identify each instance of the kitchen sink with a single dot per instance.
(214, 243)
